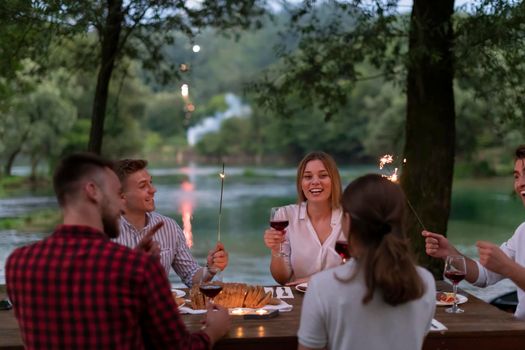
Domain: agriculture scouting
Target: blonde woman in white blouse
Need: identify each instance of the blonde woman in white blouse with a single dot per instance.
(314, 223)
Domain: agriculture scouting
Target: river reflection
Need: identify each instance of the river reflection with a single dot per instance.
(481, 210)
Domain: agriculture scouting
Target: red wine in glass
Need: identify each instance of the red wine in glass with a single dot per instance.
(341, 247)
(210, 290)
(455, 276)
(455, 270)
(279, 225)
(278, 221)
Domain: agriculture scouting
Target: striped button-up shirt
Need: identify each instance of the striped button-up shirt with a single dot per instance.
(174, 251)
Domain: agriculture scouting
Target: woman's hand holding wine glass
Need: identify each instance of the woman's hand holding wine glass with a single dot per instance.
(455, 271)
(274, 236)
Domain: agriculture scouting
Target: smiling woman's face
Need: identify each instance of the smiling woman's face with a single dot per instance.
(315, 182)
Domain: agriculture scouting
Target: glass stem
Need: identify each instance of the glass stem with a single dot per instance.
(455, 290)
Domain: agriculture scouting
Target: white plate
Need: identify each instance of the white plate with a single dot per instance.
(461, 300)
(301, 287)
(178, 293)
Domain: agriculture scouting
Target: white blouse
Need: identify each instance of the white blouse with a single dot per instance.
(306, 254)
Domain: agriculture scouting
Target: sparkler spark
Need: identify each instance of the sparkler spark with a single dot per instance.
(386, 159)
(394, 177)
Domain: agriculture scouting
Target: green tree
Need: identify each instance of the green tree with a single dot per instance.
(138, 29)
(35, 120)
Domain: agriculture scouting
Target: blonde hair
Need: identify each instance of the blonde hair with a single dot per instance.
(333, 173)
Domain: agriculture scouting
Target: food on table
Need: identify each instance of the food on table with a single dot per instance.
(178, 301)
(445, 297)
(235, 295)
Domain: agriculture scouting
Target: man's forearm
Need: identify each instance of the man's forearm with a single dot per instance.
(517, 275)
(472, 270)
(197, 277)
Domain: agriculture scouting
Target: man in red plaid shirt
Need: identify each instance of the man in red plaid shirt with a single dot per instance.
(78, 290)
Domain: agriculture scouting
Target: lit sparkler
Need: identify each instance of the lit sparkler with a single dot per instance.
(394, 177)
(220, 204)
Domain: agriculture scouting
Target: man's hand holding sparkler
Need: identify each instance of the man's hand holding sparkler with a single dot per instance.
(218, 257)
(438, 246)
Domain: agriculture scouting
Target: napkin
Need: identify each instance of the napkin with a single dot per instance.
(280, 292)
(188, 310)
(282, 307)
(436, 326)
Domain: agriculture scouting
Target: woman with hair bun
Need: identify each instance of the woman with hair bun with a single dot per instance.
(380, 299)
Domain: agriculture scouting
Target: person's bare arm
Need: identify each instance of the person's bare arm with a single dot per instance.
(493, 258)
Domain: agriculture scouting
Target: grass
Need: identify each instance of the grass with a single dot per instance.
(16, 185)
(38, 221)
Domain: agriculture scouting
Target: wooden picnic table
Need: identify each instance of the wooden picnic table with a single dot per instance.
(482, 326)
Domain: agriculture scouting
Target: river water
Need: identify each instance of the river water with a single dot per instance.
(482, 209)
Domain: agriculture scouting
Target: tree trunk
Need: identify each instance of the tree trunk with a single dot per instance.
(35, 159)
(8, 167)
(430, 124)
(110, 35)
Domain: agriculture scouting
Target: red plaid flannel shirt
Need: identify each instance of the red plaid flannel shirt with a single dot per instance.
(78, 290)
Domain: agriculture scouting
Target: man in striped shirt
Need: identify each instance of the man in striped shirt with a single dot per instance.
(138, 194)
(78, 290)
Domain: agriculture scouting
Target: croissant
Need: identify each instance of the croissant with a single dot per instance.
(235, 295)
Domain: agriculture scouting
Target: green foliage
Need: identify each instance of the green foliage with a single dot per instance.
(34, 120)
(23, 36)
(489, 55)
(165, 114)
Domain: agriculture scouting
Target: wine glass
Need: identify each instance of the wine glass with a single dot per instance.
(279, 223)
(341, 247)
(211, 287)
(455, 271)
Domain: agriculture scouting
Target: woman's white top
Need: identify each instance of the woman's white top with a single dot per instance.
(306, 254)
(334, 316)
